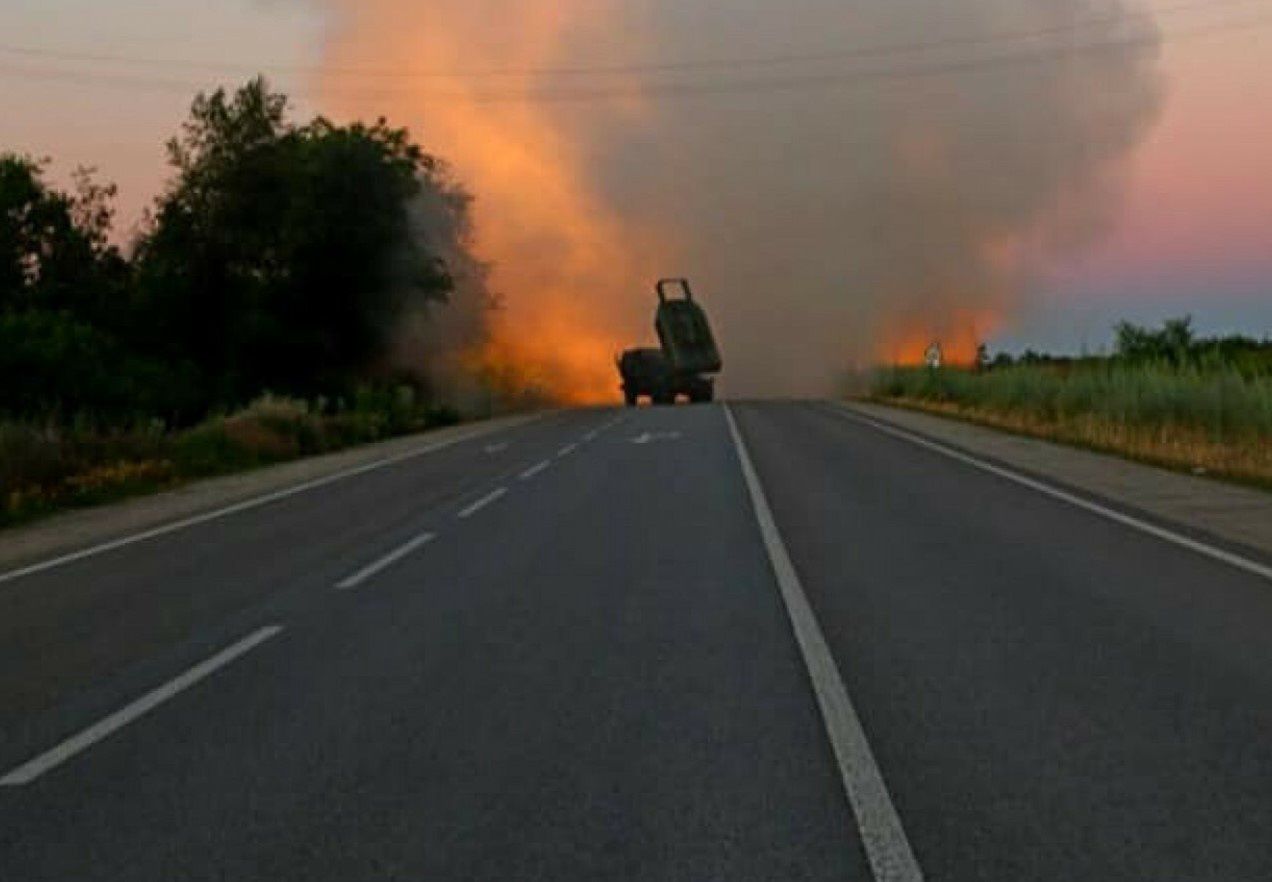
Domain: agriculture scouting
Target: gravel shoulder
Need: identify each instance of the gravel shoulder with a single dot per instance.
(1229, 513)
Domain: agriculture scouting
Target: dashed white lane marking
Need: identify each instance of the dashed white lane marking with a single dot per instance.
(534, 470)
(388, 560)
(1235, 560)
(483, 502)
(647, 437)
(609, 424)
(591, 436)
(496, 448)
(887, 848)
(567, 450)
(29, 771)
(246, 505)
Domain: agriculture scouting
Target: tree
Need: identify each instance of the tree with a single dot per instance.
(63, 302)
(55, 252)
(1174, 343)
(69, 368)
(279, 256)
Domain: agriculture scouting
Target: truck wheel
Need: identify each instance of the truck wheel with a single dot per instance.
(630, 398)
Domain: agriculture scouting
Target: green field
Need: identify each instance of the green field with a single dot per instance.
(1192, 416)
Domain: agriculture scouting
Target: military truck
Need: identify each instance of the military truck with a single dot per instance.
(687, 360)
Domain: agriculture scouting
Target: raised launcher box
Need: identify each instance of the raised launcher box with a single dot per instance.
(684, 332)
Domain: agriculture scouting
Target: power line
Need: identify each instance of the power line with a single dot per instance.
(185, 87)
(867, 76)
(777, 60)
(689, 89)
(881, 50)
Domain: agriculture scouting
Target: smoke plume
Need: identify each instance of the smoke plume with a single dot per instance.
(434, 341)
(843, 182)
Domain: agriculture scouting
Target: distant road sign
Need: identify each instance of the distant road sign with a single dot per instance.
(933, 355)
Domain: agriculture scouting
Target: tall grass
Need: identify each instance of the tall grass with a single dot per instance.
(1219, 420)
(1224, 403)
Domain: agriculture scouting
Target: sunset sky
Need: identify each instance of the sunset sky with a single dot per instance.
(1194, 233)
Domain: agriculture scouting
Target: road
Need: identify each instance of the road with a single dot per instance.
(763, 642)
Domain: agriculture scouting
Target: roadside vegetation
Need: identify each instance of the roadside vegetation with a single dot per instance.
(250, 320)
(44, 468)
(1165, 396)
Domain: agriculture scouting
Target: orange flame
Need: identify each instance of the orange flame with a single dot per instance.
(959, 336)
(569, 273)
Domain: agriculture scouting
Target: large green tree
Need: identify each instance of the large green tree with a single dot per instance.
(280, 254)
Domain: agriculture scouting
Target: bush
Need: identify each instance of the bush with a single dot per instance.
(269, 430)
(46, 467)
(70, 370)
(29, 458)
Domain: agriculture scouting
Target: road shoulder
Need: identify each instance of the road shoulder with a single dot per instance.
(76, 529)
(1231, 514)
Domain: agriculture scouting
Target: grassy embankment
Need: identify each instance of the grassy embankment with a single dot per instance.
(47, 468)
(1189, 418)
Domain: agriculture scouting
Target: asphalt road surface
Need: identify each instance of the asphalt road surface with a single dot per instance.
(764, 642)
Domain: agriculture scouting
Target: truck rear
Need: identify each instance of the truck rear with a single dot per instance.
(687, 359)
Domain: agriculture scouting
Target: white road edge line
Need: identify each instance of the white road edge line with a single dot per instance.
(246, 505)
(535, 470)
(883, 837)
(29, 771)
(483, 502)
(1219, 554)
(567, 450)
(388, 560)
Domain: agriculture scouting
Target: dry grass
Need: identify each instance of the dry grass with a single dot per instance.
(1246, 458)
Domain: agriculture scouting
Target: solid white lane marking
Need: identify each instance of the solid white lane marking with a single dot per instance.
(29, 771)
(883, 837)
(483, 502)
(388, 560)
(567, 450)
(534, 470)
(1211, 551)
(246, 505)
